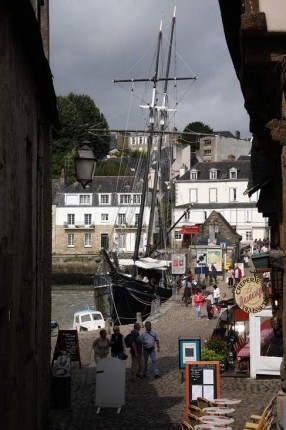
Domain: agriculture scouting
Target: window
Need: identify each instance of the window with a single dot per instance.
(187, 216)
(207, 142)
(121, 219)
(207, 152)
(213, 195)
(213, 174)
(70, 240)
(248, 215)
(84, 199)
(122, 240)
(205, 215)
(232, 173)
(178, 235)
(193, 195)
(125, 199)
(248, 235)
(232, 194)
(87, 219)
(71, 219)
(193, 175)
(104, 199)
(87, 239)
(104, 217)
(136, 219)
(137, 198)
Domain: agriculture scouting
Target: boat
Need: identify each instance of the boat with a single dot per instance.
(149, 283)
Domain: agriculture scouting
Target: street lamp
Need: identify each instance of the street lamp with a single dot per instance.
(84, 164)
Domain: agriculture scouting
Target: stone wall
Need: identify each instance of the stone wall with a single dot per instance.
(27, 106)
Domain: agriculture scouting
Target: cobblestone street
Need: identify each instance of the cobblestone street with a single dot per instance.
(157, 403)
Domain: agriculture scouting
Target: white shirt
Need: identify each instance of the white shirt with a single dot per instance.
(216, 293)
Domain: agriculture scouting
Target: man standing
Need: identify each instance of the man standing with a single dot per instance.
(237, 274)
(149, 339)
(136, 352)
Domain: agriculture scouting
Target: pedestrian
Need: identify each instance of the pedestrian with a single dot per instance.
(216, 294)
(198, 302)
(237, 274)
(101, 346)
(149, 340)
(214, 273)
(209, 305)
(230, 277)
(117, 343)
(136, 352)
(187, 292)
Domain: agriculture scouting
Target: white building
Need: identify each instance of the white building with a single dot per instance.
(103, 215)
(218, 186)
(222, 145)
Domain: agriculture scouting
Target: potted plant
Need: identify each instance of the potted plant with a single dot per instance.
(216, 350)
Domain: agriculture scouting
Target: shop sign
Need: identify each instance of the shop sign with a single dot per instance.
(178, 264)
(249, 295)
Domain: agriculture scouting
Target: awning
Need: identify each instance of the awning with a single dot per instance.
(193, 229)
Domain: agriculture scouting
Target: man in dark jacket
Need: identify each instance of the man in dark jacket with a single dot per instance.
(136, 352)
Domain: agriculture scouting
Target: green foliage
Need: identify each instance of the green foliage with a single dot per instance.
(215, 350)
(112, 167)
(193, 139)
(77, 115)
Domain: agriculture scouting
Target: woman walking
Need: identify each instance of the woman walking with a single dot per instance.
(198, 302)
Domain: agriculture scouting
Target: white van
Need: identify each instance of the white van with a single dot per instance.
(87, 320)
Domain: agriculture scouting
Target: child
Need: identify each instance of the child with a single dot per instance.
(198, 302)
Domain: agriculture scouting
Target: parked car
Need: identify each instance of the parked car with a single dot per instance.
(88, 319)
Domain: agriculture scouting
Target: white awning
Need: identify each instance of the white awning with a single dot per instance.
(146, 263)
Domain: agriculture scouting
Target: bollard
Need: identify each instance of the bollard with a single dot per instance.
(139, 318)
(108, 326)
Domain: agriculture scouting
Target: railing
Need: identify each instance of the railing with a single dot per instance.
(78, 226)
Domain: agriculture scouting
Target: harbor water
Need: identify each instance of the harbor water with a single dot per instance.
(68, 299)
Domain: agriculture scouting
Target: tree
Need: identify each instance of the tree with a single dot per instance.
(193, 139)
(78, 114)
(113, 167)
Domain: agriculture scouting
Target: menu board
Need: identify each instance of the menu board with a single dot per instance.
(202, 380)
(68, 341)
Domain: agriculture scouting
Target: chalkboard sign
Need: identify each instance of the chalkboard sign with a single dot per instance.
(68, 341)
(202, 380)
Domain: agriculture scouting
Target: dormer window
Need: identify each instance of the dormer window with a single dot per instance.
(193, 175)
(232, 173)
(213, 174)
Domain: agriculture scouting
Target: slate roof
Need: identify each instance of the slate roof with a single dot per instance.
(222, 167)
(224, 133)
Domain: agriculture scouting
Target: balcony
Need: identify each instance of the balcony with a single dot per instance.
(78, 226)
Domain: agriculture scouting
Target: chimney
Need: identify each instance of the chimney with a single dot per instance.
(182, 170)
(237, 134)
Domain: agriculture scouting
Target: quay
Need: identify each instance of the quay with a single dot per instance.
(152, 404)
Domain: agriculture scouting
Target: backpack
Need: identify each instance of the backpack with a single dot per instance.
(127, 340)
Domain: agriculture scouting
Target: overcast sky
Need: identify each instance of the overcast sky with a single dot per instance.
(93, 42)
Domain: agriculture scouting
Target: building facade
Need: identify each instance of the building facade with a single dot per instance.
(218, 186)
(104, 215)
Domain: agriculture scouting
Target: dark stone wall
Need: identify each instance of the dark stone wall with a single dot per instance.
(25, 221)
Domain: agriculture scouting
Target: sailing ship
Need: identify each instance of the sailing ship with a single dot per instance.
(130, 294)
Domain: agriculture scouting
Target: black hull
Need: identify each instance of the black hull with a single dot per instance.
(131, 296)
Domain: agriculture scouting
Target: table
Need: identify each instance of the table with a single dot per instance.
(215, 419)
(211, 427)
(220, 410)
(226, 401)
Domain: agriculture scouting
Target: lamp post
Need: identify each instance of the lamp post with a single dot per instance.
(84, 164)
